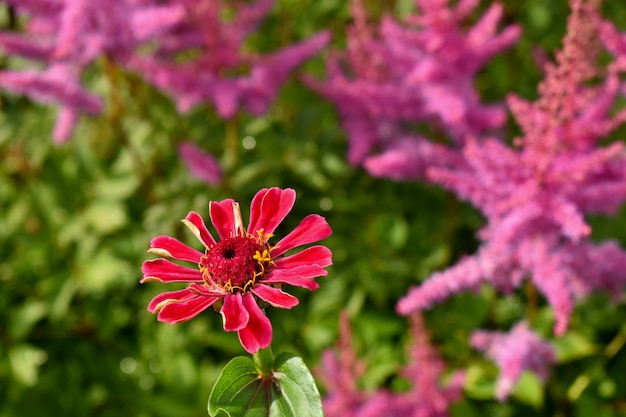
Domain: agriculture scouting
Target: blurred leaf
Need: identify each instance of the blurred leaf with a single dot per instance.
(529, 389)
(478, 384)
(116, 188)
(103, 272)
(25, 316)
(573, 346)
(25, 361)
(106, 216)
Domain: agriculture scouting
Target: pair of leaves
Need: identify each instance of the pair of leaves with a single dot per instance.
(244, 390)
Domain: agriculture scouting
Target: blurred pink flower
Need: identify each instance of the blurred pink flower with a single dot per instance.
(535, 196)
(67, 36)
(157, 40)
(341, 369)
(218, 47)
(202, 165)
(514, 352)
(418, 71)
(240, 270)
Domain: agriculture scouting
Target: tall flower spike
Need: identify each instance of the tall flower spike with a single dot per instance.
(240, 269)
(426, 398)
(535, 197)
(217, 46)
(514, 352)
(66, 37)
(417, 71)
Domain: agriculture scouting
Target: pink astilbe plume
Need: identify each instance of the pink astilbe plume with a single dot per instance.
(427, 398)
(184, 47)
(418, 71)
(219, 51)
(514, 352)
(535, 196)
(340, 371)
(202, 165)
(66, 36)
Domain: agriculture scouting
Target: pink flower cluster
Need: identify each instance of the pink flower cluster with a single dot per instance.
(514, 352)
(426, 398)
(150, 37)
(535, 195)
(218, 49)
(398, 75)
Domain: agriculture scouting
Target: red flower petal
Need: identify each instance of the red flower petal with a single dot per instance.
(234, 314)
(157, 302)
(299, 276)
(315, 255)
(269, 207)
(311, 229)
(170, 247)
(275, 296)
(177, 312)
(165, 271)
(223, 217)
(195, 223)
(258, 333)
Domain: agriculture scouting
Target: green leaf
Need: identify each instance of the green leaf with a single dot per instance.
(25, 361)
(297, 393)
(573, 346)
(238, 391)
(289, 391)
(106, 216)
(529, 389)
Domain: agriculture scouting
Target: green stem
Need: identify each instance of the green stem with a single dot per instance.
(231, 147)
(532, 302)
(264, 361)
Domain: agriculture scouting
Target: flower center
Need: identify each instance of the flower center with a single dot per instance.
(234, 264)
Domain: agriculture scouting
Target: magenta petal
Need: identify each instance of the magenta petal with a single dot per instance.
(275, 296)
(173, 248)
(187, 309)
(311, 229)
(258, 332)
(195, 223)
(234, 314)
(299, 276)
(223, 217)
(269, 207)
(315, 255)
(167, 271)
(174, 296)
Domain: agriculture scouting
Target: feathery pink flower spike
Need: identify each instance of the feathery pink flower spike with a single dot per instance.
(218, 47)
(240, 269)
(420, 70)
(535, 196)
(66, 36)
(514, 352)
(426, 398)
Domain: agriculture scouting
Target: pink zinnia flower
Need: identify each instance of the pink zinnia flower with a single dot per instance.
(242, 268)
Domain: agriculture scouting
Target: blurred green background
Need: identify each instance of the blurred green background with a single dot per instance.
(76, 220)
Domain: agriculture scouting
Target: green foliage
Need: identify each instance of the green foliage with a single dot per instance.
(246, 389)
(76, 220)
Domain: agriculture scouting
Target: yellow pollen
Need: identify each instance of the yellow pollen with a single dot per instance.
(263, 259)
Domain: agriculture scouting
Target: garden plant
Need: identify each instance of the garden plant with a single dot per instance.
(315, 208)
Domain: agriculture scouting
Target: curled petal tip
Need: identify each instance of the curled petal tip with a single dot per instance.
(160, 252)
